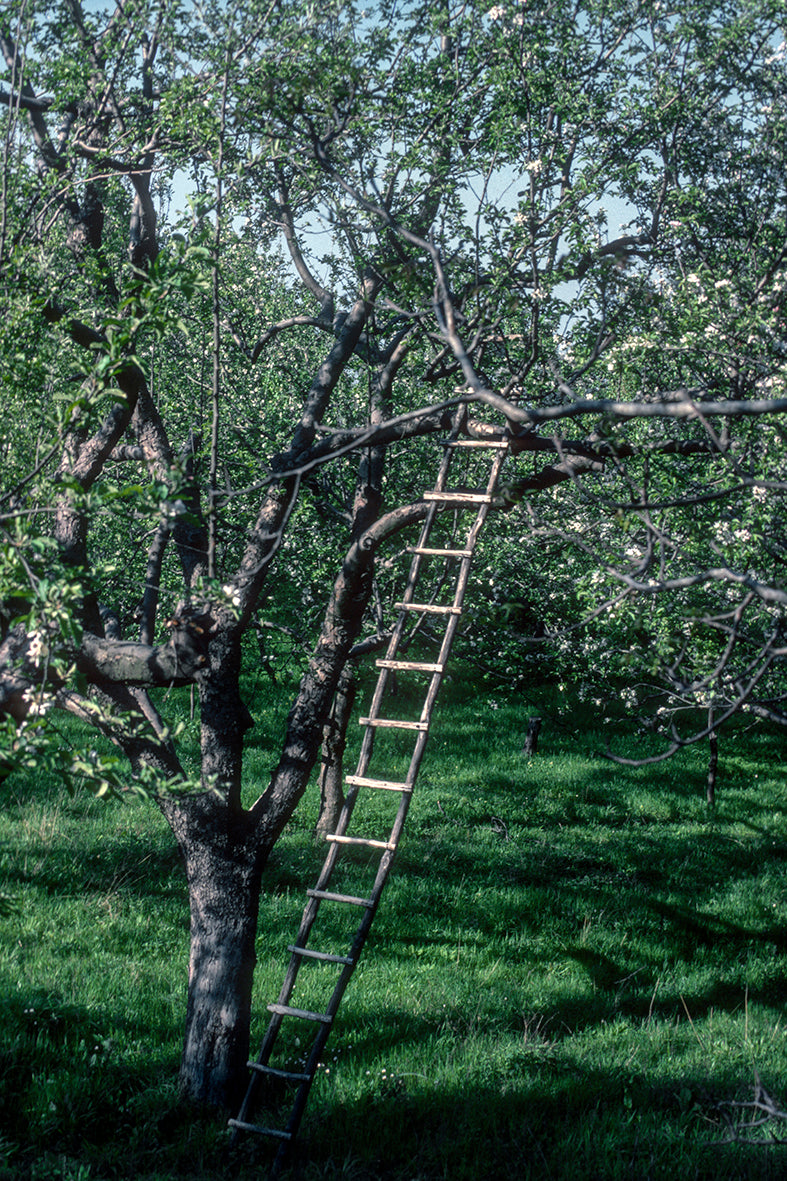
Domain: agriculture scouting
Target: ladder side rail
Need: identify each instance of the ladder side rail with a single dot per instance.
(484, 509)
(335, 851)
(445, 648)
(415, 567)
(321, 1036)
(477, 526)
(285, 992)
(312, 907)
(472, 540)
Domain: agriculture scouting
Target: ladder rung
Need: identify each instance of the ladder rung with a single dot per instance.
(391, 724)
(427, 551)
(429, 608)
(244, 1127)
(324, 956)
(416, 666)
(381, 784)
(329, 896)
(459, 497)
(306, 1014)
(364, 842)
(291, 1075)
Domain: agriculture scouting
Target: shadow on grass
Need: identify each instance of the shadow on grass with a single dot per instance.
(538, 880)
(539, 1118)
(62, 1073)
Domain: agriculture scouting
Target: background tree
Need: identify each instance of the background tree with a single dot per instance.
(216, 414)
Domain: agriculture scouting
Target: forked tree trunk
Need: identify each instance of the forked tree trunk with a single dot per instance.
(226, 848)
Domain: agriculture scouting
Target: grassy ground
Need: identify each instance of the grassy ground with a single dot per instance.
(574, 969)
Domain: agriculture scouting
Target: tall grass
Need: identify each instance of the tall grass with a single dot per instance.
(574, 971)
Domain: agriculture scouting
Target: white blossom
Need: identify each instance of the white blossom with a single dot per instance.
(39, 648)
(233, 594)
(37, 706)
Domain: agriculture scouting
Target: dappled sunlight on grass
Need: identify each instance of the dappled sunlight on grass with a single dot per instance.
(574, 966)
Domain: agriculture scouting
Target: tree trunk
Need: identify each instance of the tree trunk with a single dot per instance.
(713, 765)
(223, 868)
(334, 743)
(531, 738)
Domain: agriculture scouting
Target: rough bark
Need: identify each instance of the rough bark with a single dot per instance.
(713, 765)
(224, 716)
(531, 737)
(144, 664)
(333, 747)
(223, 869)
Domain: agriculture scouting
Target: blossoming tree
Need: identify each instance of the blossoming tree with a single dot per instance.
(205, 411)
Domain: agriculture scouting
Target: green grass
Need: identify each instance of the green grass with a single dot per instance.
(574, 967)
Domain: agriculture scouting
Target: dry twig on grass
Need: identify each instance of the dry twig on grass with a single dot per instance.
(766, 1115)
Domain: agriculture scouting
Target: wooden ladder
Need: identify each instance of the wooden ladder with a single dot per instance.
(319, 1018)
